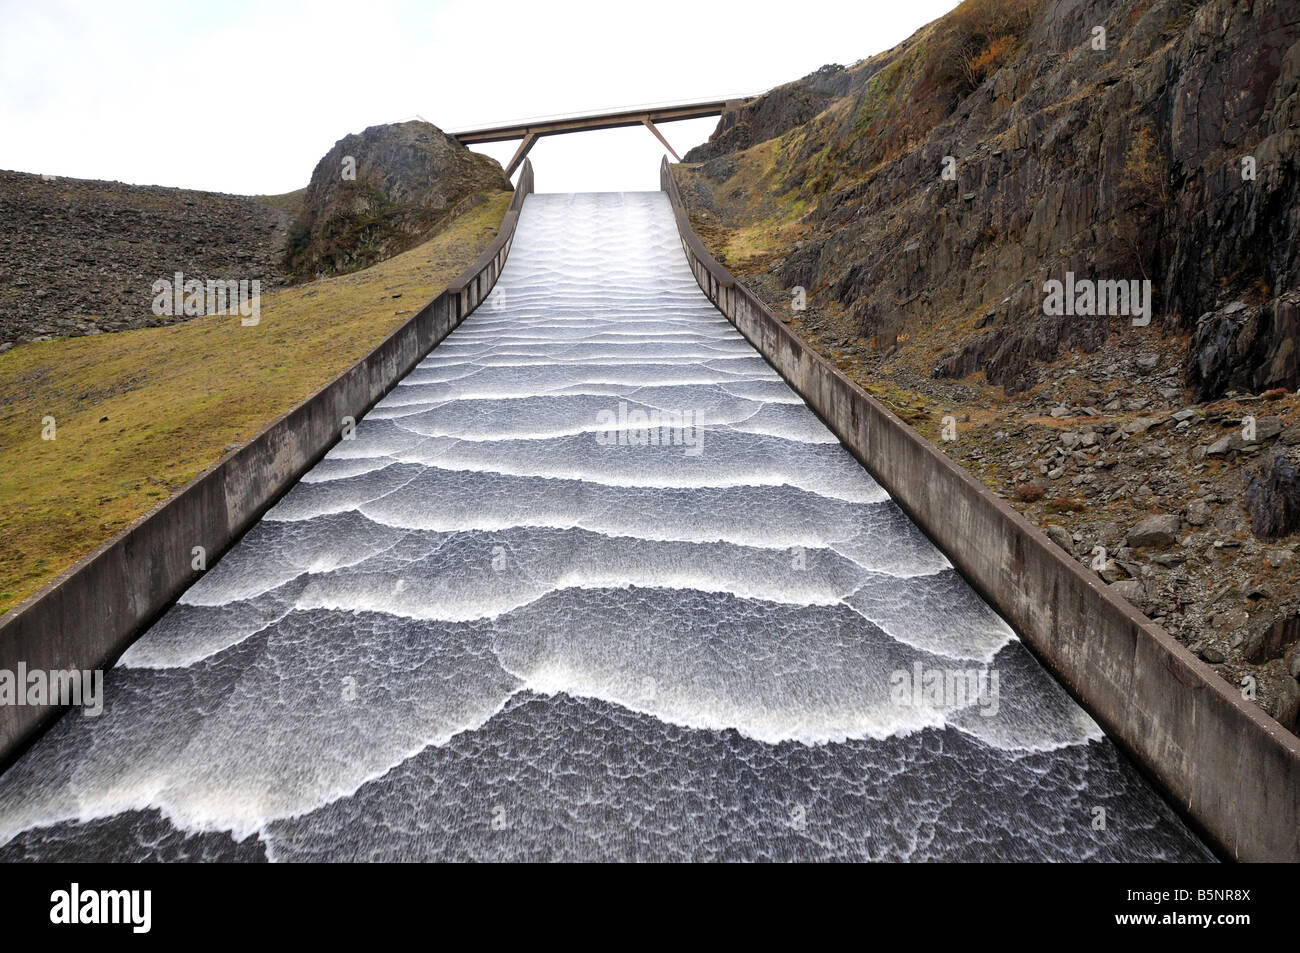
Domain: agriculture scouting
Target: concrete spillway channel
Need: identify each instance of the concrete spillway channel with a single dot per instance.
(591, 583)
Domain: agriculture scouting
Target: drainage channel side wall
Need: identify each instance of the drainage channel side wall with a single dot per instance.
(1231, 768)
(87, 616)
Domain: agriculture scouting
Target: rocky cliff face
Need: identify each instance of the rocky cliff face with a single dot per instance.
(1115, 162)
(942, 183)
(383, 191)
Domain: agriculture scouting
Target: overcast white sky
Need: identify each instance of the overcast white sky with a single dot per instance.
(245, 97)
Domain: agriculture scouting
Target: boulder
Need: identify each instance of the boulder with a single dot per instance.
(380, 192)
(1061, 537)
(1292, 661)
(1159, 531)
(1283, 702)
(1140, 425)
(1198, 512)
(1132, 590)
(1213, 653)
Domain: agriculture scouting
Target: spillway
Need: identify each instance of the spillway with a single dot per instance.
(591, 582)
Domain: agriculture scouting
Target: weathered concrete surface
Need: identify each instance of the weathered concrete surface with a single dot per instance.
(1231, 768)
(87, 616)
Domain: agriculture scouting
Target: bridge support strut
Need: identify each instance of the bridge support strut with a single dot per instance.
(527, 143)
(658, 135)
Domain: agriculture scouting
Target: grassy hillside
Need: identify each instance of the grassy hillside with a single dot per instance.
(139, 413)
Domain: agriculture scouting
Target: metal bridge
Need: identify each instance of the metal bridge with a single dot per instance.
(528, 131)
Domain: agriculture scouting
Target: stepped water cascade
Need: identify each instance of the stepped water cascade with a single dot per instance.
(591, 582)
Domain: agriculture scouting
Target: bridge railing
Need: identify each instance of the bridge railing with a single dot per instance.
(1233, 771)
(87, 616)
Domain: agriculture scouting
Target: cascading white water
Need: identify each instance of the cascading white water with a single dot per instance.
(591, 582)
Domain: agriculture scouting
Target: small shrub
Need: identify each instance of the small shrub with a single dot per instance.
(981, 66)
(1029, 492)
(984, 35)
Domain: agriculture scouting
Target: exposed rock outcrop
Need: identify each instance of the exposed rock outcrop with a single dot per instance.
(1246, 348)
(380, 192)
(1003, 145)
(1273, 498)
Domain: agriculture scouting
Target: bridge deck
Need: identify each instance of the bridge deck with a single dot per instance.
(588, 123)
(530, 130)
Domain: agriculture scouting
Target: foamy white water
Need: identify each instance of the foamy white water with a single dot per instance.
(498, 597)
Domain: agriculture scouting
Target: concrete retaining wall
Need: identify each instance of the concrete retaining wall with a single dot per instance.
(1233, 770)
(88, 616)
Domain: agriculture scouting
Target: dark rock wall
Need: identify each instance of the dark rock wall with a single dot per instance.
(1123, 163)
